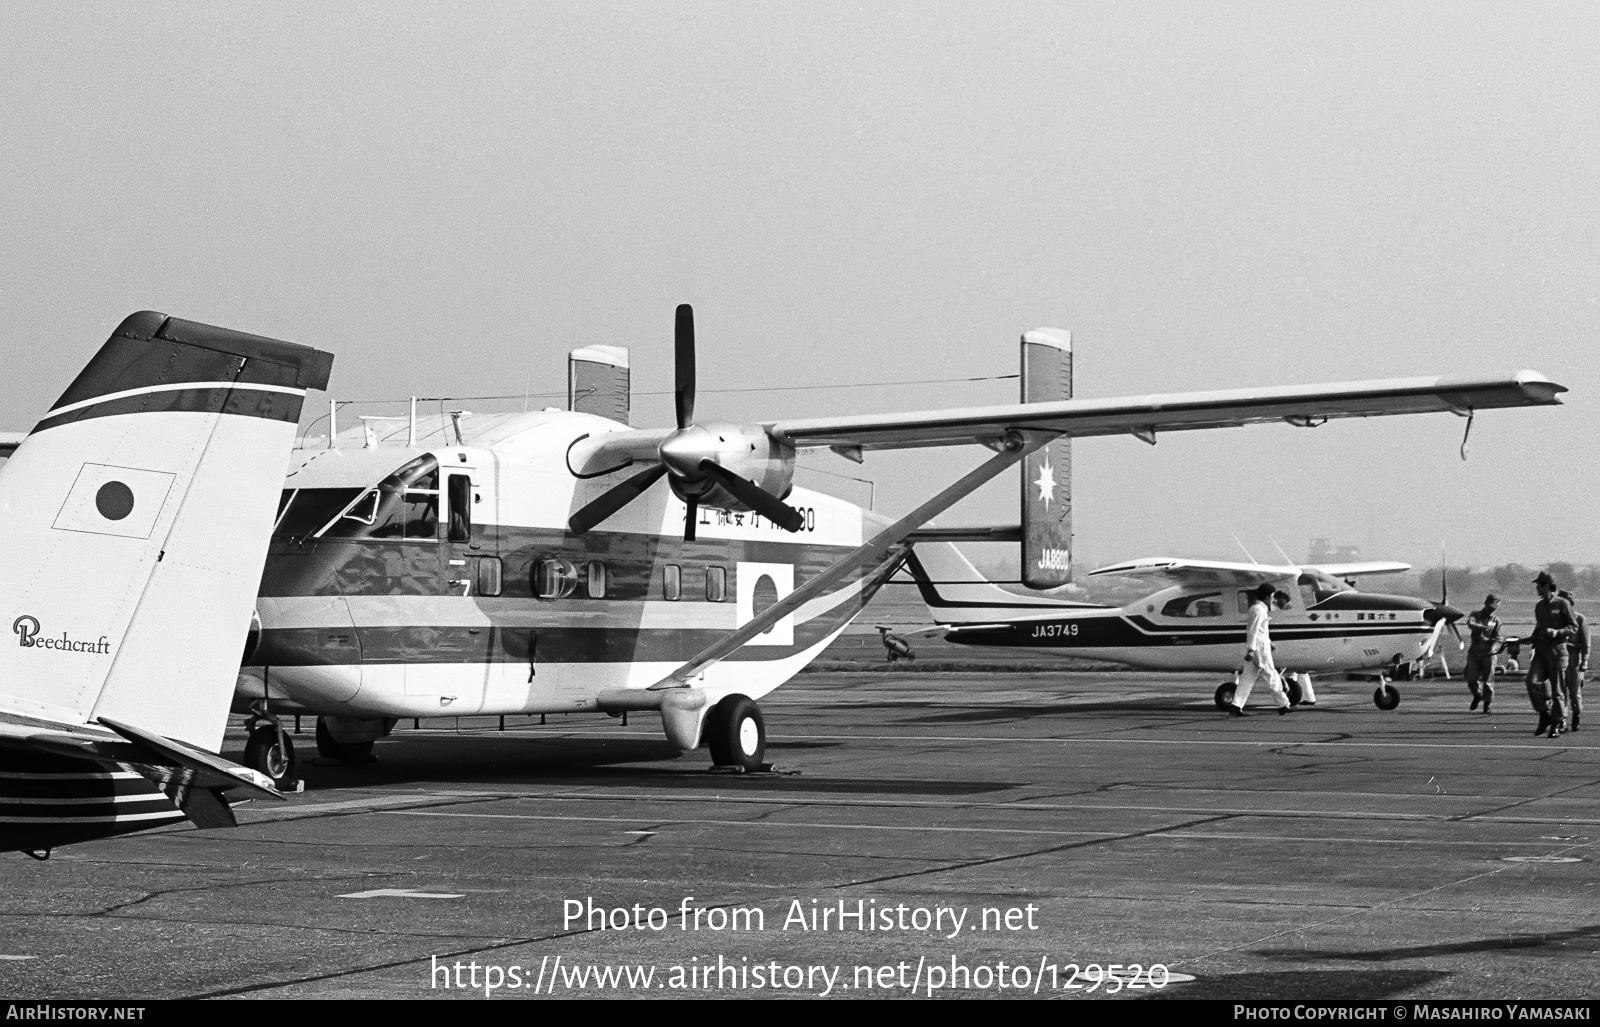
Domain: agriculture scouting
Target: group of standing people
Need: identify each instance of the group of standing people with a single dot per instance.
(1560, 643)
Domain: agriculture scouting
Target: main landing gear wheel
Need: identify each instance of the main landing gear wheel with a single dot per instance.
(1292, 688)
(272, 753)
(348, 753)
(1224, 696)
(736, 733)
(1386, 697)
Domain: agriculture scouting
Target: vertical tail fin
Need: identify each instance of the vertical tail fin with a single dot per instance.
(1047, 473)
(597, 382)
(137, 514)
(955, 592)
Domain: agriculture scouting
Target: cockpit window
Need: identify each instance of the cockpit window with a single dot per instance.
(302, 512)
(403, 505)
(1207, 605)
(1316, 587)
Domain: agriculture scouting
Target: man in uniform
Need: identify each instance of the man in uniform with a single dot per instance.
(1553, 627)
(1485, 628)
(1577, 662)
(1258, 665)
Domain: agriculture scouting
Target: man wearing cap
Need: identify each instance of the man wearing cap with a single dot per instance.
(1577, 662)
(1554, 626)
(1485, 628)
(1258, 665)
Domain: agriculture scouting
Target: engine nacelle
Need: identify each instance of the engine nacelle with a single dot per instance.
(745, 449)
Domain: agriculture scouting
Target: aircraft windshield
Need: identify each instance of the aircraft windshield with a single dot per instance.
(1315, 587)
(302, 511)
(403, 505)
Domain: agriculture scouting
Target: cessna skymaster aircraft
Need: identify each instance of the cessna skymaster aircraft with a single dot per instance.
(135, 518)
(1197, 623)
(561, 561)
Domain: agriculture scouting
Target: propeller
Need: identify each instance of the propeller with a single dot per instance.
(692, 458)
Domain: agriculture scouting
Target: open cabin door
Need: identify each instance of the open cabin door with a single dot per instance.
(462, 640)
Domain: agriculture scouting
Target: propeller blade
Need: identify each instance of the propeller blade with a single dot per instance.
(1460, 642)
(1432, 643)
(613, 499)
(690, 514)
(756, 497)
(683, 364)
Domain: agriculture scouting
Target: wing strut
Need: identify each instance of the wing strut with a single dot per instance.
(1014, 447)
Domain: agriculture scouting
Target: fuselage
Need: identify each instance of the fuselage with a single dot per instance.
(1202, 628)
(427, 580)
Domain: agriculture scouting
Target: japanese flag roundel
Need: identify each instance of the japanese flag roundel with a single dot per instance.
(110, 500)
(756, 587)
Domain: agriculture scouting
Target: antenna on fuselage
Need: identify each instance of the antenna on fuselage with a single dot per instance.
(1252, 559)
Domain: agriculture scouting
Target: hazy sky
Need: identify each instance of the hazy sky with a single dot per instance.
(451, 196)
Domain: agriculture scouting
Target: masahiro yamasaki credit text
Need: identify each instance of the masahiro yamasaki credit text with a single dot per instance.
(840, 915)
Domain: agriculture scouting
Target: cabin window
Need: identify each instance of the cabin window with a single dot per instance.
(554, 578)
(597, 580)
(1245, 599)
(460, 500)
(672, 582)
(716, 584)
(1207, 605)
(489, 575)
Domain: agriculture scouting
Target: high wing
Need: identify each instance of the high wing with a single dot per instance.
(1200, 572)
(1356, 570)
(1301, 405)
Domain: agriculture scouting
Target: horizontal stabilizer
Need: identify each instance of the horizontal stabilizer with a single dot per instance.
(203, 769)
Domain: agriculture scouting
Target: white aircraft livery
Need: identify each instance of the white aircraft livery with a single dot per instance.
(1320, 623)
(135, 518)
(563, 562)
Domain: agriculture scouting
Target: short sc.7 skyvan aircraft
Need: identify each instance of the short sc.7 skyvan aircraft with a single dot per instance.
(134, 519)
(565, 562)
(1196, 622)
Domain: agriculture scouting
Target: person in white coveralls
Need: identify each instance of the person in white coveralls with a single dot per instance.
(1258, 665)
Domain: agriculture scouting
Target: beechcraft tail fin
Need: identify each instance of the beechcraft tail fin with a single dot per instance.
(136, 517)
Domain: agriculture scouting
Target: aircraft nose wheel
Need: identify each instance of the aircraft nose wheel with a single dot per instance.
(736, 733)
(1224, 696)
(1386, 697)
(270, 751)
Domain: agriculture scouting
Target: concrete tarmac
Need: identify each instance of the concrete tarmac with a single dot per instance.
(1098, 818)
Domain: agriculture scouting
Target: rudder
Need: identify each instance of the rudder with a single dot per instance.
(1047, 473)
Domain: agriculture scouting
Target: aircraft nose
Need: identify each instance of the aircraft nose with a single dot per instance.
(1442, 611)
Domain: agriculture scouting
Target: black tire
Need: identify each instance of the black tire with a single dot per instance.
(736, 733)
(263, 753)
(351, 753)
(1292, 688)
(1386, 697)
(1224, 696)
